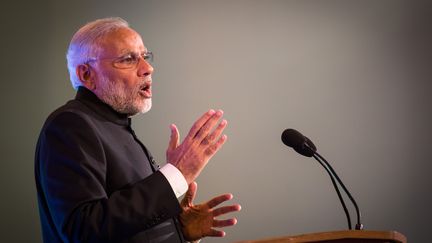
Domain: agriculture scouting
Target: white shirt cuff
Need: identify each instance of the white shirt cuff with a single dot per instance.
(175, 178)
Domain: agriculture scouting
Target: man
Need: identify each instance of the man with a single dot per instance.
(96, 181)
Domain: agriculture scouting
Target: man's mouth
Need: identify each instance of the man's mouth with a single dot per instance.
(146, 90)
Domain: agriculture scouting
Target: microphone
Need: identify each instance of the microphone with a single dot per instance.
(298, 142)
(304, 146)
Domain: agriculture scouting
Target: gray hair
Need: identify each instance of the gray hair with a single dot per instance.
(83, 44)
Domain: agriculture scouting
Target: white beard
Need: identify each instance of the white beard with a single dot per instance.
(122, 99)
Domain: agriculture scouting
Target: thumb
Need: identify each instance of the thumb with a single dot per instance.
(175, 137)
(190, 195)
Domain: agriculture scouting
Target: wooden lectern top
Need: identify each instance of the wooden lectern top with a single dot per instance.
(345, 236)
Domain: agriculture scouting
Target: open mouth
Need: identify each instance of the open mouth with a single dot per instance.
(146, 90)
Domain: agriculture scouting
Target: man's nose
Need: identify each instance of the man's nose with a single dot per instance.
(144, 67)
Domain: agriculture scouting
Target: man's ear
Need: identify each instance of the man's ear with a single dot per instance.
(86, 76)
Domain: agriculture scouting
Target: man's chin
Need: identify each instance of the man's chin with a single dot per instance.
(145, 110)
(146, 106)
(138, 109)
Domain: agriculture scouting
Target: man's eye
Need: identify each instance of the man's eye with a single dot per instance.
(128, 59)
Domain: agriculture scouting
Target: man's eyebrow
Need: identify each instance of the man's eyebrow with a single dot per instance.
(128, 51)
(125, 51)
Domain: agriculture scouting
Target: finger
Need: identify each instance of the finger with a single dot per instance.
(199, 123)
(216, 133)
(190, 195)
(208, 126)
(226, 209)
(212, 149)
(215, 233)
(224, 223)
(175, 137)
(218, 200)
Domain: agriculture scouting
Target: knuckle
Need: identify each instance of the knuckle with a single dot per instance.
(205, 141)
(211, 137)
(210, 150)
(206, 127)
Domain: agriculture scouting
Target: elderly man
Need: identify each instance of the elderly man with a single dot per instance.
(96, 181)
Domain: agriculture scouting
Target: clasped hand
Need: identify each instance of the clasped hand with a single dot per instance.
(202, 142)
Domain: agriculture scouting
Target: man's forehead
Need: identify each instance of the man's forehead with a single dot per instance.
(122, 41)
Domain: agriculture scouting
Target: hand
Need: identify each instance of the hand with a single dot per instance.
(198, 220)
(198, 147)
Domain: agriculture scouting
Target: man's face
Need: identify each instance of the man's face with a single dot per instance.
(126, 90)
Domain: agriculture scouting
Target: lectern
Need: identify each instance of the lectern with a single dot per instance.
(345, 236)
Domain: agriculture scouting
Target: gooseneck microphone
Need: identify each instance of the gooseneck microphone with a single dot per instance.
(304, 146)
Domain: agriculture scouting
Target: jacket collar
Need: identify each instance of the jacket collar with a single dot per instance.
(95, 104)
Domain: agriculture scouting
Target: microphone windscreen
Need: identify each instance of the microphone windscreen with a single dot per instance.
(301, 144)
(292, 138)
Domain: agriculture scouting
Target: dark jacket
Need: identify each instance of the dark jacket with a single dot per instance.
(96, 182)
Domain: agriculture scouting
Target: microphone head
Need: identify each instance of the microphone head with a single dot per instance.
(292, 138)
(301, 144)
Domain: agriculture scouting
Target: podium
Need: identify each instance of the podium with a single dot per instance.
(345, 236)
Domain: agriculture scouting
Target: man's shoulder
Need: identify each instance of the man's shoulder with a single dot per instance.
(72, 111)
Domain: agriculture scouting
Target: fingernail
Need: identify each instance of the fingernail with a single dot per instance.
(219, 112)
(211, 112)
(223, 122)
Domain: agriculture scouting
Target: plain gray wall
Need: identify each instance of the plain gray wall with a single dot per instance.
(351, 75)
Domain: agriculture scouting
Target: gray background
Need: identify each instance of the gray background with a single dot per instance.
(351, 75)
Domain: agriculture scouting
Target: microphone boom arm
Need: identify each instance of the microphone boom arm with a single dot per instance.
(358, 226)
(337, 191)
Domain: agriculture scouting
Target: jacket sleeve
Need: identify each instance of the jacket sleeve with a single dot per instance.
(72, 175)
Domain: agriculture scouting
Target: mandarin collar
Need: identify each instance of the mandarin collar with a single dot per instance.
(95, 104)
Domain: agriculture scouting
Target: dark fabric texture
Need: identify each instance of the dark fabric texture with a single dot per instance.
(96, 182)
